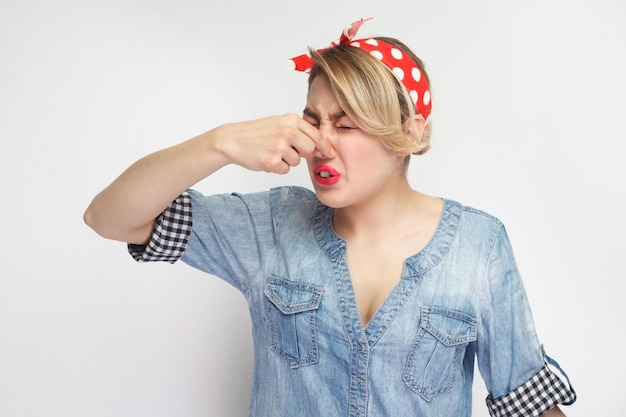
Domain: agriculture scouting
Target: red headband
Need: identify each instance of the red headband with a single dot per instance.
(405, 69)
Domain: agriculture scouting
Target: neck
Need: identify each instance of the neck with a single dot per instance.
(384, 214)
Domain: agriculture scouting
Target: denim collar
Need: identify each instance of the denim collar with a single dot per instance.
(426, 259)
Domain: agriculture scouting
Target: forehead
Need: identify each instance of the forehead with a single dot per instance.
(321, 99)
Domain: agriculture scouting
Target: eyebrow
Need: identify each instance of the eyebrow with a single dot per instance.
(334, 117)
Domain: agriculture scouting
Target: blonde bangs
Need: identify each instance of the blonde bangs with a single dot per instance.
(369, 93)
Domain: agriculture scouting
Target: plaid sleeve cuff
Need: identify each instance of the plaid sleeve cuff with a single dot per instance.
(540, 394)
(170, 236)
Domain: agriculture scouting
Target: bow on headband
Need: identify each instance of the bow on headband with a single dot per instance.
(404, 68)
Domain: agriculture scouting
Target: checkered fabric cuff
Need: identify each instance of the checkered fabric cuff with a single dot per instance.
(541, 393)
(170, 236)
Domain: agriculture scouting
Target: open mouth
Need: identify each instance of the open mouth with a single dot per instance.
(326, 175)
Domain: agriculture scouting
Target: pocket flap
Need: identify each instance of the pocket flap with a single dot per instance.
(450, 327)
(293, 297)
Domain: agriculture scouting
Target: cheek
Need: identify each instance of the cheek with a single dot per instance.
(364, 155)
(352, 151)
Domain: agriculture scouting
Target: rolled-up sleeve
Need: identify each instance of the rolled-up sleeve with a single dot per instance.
(170, 234)
(538, 395)
(519, 375)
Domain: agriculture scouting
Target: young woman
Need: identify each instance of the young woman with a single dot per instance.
(367, 297)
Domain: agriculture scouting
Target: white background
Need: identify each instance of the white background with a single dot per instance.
(530, 99)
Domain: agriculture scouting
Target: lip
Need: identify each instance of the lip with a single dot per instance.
(333, 177)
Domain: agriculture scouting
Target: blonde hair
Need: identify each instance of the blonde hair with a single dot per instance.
(371, 95)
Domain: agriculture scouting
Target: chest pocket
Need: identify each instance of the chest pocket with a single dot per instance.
(292, 320)
(438, 350)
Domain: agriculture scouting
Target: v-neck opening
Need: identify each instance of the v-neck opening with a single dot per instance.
(414, 268)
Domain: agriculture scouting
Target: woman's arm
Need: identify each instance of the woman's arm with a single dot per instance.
(126, 209)
(554, 412)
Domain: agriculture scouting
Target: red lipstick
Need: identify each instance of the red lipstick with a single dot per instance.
(325, 174)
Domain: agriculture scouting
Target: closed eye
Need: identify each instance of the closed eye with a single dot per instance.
(313, 122)
(311, 118)
(342, 122)
(346, 126)
(345, 123)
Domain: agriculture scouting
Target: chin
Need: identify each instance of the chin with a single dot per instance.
(329, 198)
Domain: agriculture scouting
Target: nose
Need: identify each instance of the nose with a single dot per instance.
(327, 130)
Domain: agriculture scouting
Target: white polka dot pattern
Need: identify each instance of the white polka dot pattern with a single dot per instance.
(399, 63)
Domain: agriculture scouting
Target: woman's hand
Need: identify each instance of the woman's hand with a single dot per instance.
(272, 144)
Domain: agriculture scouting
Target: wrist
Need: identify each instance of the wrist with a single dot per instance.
(213, 146)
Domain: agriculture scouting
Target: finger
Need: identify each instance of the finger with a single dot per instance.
(323, 147)
(302, 154)
(304, 146)
(300, 140)
(283, 168)
(276, 165)
(292, 157)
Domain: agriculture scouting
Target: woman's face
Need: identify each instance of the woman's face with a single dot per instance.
(363, 169)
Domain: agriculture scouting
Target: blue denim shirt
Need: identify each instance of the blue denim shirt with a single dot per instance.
(459, 298)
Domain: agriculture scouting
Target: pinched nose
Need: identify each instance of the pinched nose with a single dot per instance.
(325, 147)
(327, 130)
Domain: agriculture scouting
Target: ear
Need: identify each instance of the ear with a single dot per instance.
(414, 130)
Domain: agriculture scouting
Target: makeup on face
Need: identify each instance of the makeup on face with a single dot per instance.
(326, 174)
